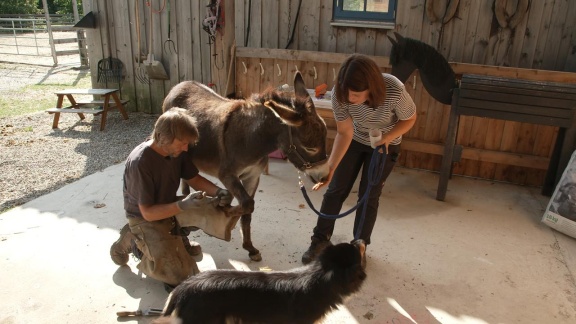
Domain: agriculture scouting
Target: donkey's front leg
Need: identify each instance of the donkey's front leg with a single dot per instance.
(253, 252)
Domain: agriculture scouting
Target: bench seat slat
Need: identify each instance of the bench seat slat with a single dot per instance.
(75, 110)
(515, 116)
(495, 107)
(519, 92)
(470, 80)
(101, 102)
(496, 99)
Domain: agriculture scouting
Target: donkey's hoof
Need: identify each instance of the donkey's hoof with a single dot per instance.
(255, 257)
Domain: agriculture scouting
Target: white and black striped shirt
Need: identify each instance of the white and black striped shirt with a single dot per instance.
(397, 106)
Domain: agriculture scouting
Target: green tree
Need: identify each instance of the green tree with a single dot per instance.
(18, 7)
(61, 7)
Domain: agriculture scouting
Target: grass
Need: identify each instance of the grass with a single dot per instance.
(39, 97)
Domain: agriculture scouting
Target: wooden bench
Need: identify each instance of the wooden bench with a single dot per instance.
(81, 107)
(536, 102)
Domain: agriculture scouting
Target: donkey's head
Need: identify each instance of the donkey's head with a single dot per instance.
(304, 140)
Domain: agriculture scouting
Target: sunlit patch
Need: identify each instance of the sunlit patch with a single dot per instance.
(239, 265)
(400, 310)
(445, 318)
(340, 315)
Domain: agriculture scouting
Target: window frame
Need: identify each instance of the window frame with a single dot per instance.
(362, 17)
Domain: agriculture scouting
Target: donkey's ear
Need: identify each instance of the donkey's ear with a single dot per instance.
(392, 40)
(299, 86)
(399, 37)
(285, 113)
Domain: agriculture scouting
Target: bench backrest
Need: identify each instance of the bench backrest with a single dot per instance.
(536, 102)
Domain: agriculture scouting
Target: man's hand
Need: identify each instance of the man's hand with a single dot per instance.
(224, 196)
(194, 200)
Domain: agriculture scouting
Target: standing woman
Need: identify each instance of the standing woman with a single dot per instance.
(363, 98)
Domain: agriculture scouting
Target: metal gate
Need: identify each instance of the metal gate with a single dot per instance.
(34, 35)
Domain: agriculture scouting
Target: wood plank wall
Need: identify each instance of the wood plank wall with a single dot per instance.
(492, 149)
(545, 39)
(116, 35)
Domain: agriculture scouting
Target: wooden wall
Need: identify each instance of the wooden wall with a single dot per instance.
(545, 39)
(492, 149)
(117, 34)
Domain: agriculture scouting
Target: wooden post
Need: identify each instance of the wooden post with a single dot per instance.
(80, 36)
(49, 27)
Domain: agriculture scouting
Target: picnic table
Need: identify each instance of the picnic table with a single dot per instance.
(103, 106)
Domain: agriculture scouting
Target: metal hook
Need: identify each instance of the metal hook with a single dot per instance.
(261, 69)
(333, 74)
(296, 66)
(315, 74)
(245, 69)
(279, 71)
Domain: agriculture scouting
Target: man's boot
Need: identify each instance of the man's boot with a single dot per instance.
(122, 247)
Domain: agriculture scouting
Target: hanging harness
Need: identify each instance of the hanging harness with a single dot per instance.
(293, 150)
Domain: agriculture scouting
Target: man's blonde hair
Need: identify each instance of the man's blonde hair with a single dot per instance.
(175, 123)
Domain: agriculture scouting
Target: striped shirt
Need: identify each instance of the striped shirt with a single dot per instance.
(397, 106)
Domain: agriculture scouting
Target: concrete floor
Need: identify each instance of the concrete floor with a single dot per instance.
(482, 256)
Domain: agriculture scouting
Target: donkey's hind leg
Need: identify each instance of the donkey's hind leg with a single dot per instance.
(184, 187)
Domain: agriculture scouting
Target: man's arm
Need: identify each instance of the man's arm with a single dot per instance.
(203, 184)
(158, 212)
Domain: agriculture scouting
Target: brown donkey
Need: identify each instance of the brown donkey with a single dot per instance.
(236, 137)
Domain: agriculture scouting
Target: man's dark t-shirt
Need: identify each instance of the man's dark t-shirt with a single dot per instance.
(150, 178)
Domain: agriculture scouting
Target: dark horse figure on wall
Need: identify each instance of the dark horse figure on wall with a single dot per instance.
(236, 137)
(437, 75)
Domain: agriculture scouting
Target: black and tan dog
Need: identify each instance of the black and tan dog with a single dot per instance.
(302, 295)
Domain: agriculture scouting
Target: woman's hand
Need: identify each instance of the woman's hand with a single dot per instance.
(326, 181)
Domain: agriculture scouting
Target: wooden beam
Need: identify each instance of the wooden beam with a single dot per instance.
(294, 55)
(522, 160)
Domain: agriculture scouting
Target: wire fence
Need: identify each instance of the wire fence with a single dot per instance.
(22, 38)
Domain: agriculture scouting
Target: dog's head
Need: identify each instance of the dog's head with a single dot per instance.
(343, 262)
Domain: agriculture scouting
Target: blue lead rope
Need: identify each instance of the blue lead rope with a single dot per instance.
(375, 171)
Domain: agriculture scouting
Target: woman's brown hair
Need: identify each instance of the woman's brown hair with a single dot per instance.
(175, 123)
(360, 73)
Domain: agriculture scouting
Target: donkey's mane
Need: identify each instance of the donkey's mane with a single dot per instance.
(429, 61)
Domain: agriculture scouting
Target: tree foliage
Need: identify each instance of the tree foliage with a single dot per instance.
(60, 7)
(19, 7)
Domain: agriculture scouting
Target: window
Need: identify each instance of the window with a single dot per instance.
(380, 13)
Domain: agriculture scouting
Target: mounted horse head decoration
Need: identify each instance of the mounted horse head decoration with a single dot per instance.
(437, 75)
(236, 137)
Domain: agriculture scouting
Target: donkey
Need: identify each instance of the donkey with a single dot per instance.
(236, 137)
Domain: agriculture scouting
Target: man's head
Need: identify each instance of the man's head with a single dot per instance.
(174, 131)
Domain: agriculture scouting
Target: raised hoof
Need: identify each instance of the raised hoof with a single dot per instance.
(255, 257)
(235, 211)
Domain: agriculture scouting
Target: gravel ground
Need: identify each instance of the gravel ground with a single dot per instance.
(36, 159)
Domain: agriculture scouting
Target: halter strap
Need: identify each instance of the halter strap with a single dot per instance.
(292, 149)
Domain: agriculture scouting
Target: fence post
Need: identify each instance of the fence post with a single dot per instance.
(49, 27)
(80, 36)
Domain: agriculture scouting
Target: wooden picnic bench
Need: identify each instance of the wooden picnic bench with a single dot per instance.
(103, 106)
(535, 102)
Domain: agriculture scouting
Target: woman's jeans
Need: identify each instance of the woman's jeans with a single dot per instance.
(357, 158)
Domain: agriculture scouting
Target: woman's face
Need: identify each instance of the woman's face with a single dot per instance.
(356, 98)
